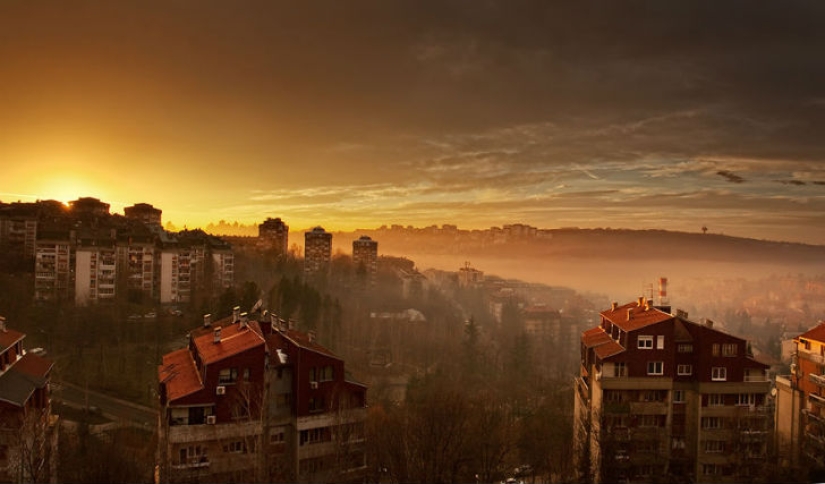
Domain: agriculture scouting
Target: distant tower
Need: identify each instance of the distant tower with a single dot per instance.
(274, 233)
(365, 257)
(317, 252)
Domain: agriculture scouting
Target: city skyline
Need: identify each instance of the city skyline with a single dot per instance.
(353, 115)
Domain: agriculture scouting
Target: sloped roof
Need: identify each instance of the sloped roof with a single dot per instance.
(8, 337)
(234, 339)
(595, 336)
(608, 349)
(179, 374)
(18, 383)
(816, 333)
(640, 316)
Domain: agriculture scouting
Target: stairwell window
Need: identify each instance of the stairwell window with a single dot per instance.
(719, 373)
(644, 342)
(684, 370)
(655, 367)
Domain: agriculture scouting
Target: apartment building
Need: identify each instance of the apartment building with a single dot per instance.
(144, 213)
(800, 403)
(365, 257)
(95, 273)
(317, 252)
(255, 400)
(273, 233)
(28, 430)
(662, 398)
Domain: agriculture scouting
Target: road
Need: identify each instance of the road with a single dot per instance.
(112, 408)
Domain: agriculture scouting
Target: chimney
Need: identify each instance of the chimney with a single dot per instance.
(273, 322)
(708, 323)
(3, 324)
(244, 320)
(207, 320)
(648, 303)
(629, 314)
(640, 301)
(236, 313)
(291, 324)
(614, 305)
(217, 335)
(311, 336)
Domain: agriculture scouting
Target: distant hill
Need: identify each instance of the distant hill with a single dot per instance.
(609, 244)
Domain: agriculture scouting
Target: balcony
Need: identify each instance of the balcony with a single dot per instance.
(192, 463)
(817, 379)
(816, 399)
(806, 355)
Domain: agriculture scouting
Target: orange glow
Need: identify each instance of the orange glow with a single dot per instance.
(66, 187)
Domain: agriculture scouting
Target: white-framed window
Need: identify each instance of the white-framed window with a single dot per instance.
(660, 342)
(655, 367)
(716, 400)
(684, 370)
(678, 396)
(719, 373)
(711, 423)
(729, 349)
(644, 342)
(714, 446)
(746, 399)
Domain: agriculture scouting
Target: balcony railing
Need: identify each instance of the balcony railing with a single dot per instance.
(818, 359)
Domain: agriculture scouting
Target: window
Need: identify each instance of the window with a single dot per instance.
(714, 446)
(685, 348)
(746, 399)
(715, 349)
(684, 370)
(614, 396)
(719, 373)
(651, 420)
(711, 423)
(237, 447)
(678, 396)
(227, 375)
(326, 373)
(655, 367)
(711, 470)
(316, 404)
(652, 396)
(620, 369)
(729, 349)
(246, 374)
(645, 342)
(311, 436)
(278, 436)
(716, 400)
(660, 342)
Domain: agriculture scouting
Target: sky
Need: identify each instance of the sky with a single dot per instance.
(354, 114)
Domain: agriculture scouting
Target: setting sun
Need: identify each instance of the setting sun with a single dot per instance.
(67, 187)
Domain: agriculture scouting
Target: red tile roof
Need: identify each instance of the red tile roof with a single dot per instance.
(816, 334)
(179, 374)
(604, 345)
(234, 339)
(301, 339)
(640, 317)
(608, 349)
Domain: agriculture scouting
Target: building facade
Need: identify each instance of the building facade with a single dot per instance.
(317, 252)
(365, 258)
(274, 234)
(662, 398)
(253, 400)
